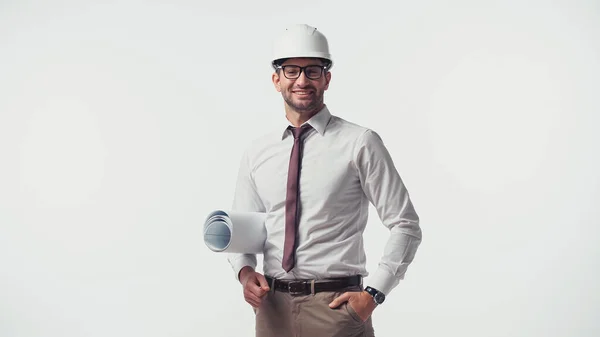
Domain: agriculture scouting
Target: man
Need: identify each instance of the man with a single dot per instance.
(314, 178)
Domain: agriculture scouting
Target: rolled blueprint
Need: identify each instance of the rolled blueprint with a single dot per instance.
(235, 232)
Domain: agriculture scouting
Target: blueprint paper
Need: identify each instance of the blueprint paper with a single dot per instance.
(235, 232)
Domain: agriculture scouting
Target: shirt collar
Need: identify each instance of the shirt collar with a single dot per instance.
(318, 122)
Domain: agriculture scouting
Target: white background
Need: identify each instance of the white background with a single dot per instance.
(122, 125)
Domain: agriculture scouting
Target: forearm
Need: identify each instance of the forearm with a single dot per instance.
(398, 254)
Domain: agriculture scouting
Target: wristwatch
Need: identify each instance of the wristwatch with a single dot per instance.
(378, 296)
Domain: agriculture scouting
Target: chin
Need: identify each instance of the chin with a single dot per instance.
(304, 107)
(301, 105)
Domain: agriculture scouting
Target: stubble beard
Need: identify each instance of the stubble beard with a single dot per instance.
(304, 106)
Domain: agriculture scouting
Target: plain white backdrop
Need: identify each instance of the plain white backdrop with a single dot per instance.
(122, 125)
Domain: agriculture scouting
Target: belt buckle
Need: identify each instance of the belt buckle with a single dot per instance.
(296, 288)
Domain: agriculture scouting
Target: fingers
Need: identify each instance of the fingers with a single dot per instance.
(252, 294)
(340, 299)
(252, 299)
(258, 285)
(255, 289)
(263, 282)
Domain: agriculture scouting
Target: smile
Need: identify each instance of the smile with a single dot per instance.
(302, 93)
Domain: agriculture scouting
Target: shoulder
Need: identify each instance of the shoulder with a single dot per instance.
(359, 134)
(347, 128)
(253, 147)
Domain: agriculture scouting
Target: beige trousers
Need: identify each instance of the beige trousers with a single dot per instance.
(283, 315)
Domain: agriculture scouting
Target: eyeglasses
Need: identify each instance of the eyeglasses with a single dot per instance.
(312, 72)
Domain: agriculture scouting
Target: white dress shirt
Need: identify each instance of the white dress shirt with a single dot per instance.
(344, 168)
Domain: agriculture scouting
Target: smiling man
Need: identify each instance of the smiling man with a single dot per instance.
(315, 178)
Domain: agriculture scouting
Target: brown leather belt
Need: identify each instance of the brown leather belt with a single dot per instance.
(307, 287)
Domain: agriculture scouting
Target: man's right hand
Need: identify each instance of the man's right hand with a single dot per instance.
(255, 286)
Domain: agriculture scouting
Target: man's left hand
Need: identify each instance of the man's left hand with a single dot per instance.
(361, 301)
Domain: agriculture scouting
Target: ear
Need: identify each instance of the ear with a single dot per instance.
(276, 81)
(327, 80)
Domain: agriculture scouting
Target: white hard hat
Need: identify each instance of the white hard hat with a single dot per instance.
(301, 40)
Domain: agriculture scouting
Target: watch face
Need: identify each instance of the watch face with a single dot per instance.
(379, 298)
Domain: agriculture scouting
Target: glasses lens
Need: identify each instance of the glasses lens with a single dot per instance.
(313, 72)
(291, 71)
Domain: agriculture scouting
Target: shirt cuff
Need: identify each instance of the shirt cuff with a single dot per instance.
(383, 281)
(241, 262)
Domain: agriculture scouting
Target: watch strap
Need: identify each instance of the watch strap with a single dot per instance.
(378, 296)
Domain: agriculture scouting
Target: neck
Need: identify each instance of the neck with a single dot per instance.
(297, 118)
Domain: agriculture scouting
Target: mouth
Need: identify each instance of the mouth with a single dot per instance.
(302, 93)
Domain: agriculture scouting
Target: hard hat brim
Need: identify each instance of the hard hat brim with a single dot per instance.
(327, 58)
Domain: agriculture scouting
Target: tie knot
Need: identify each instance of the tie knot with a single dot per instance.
(297, 132)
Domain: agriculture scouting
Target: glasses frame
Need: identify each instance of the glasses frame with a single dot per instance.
(323, 70)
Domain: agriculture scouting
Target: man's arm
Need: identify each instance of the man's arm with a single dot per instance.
(246, 199)
(384, 188)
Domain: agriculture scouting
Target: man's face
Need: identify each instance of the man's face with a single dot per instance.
(302, 94)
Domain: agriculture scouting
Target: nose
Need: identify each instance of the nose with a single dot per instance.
(302, 79)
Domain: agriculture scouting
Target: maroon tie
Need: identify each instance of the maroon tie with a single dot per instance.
(291, 201)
